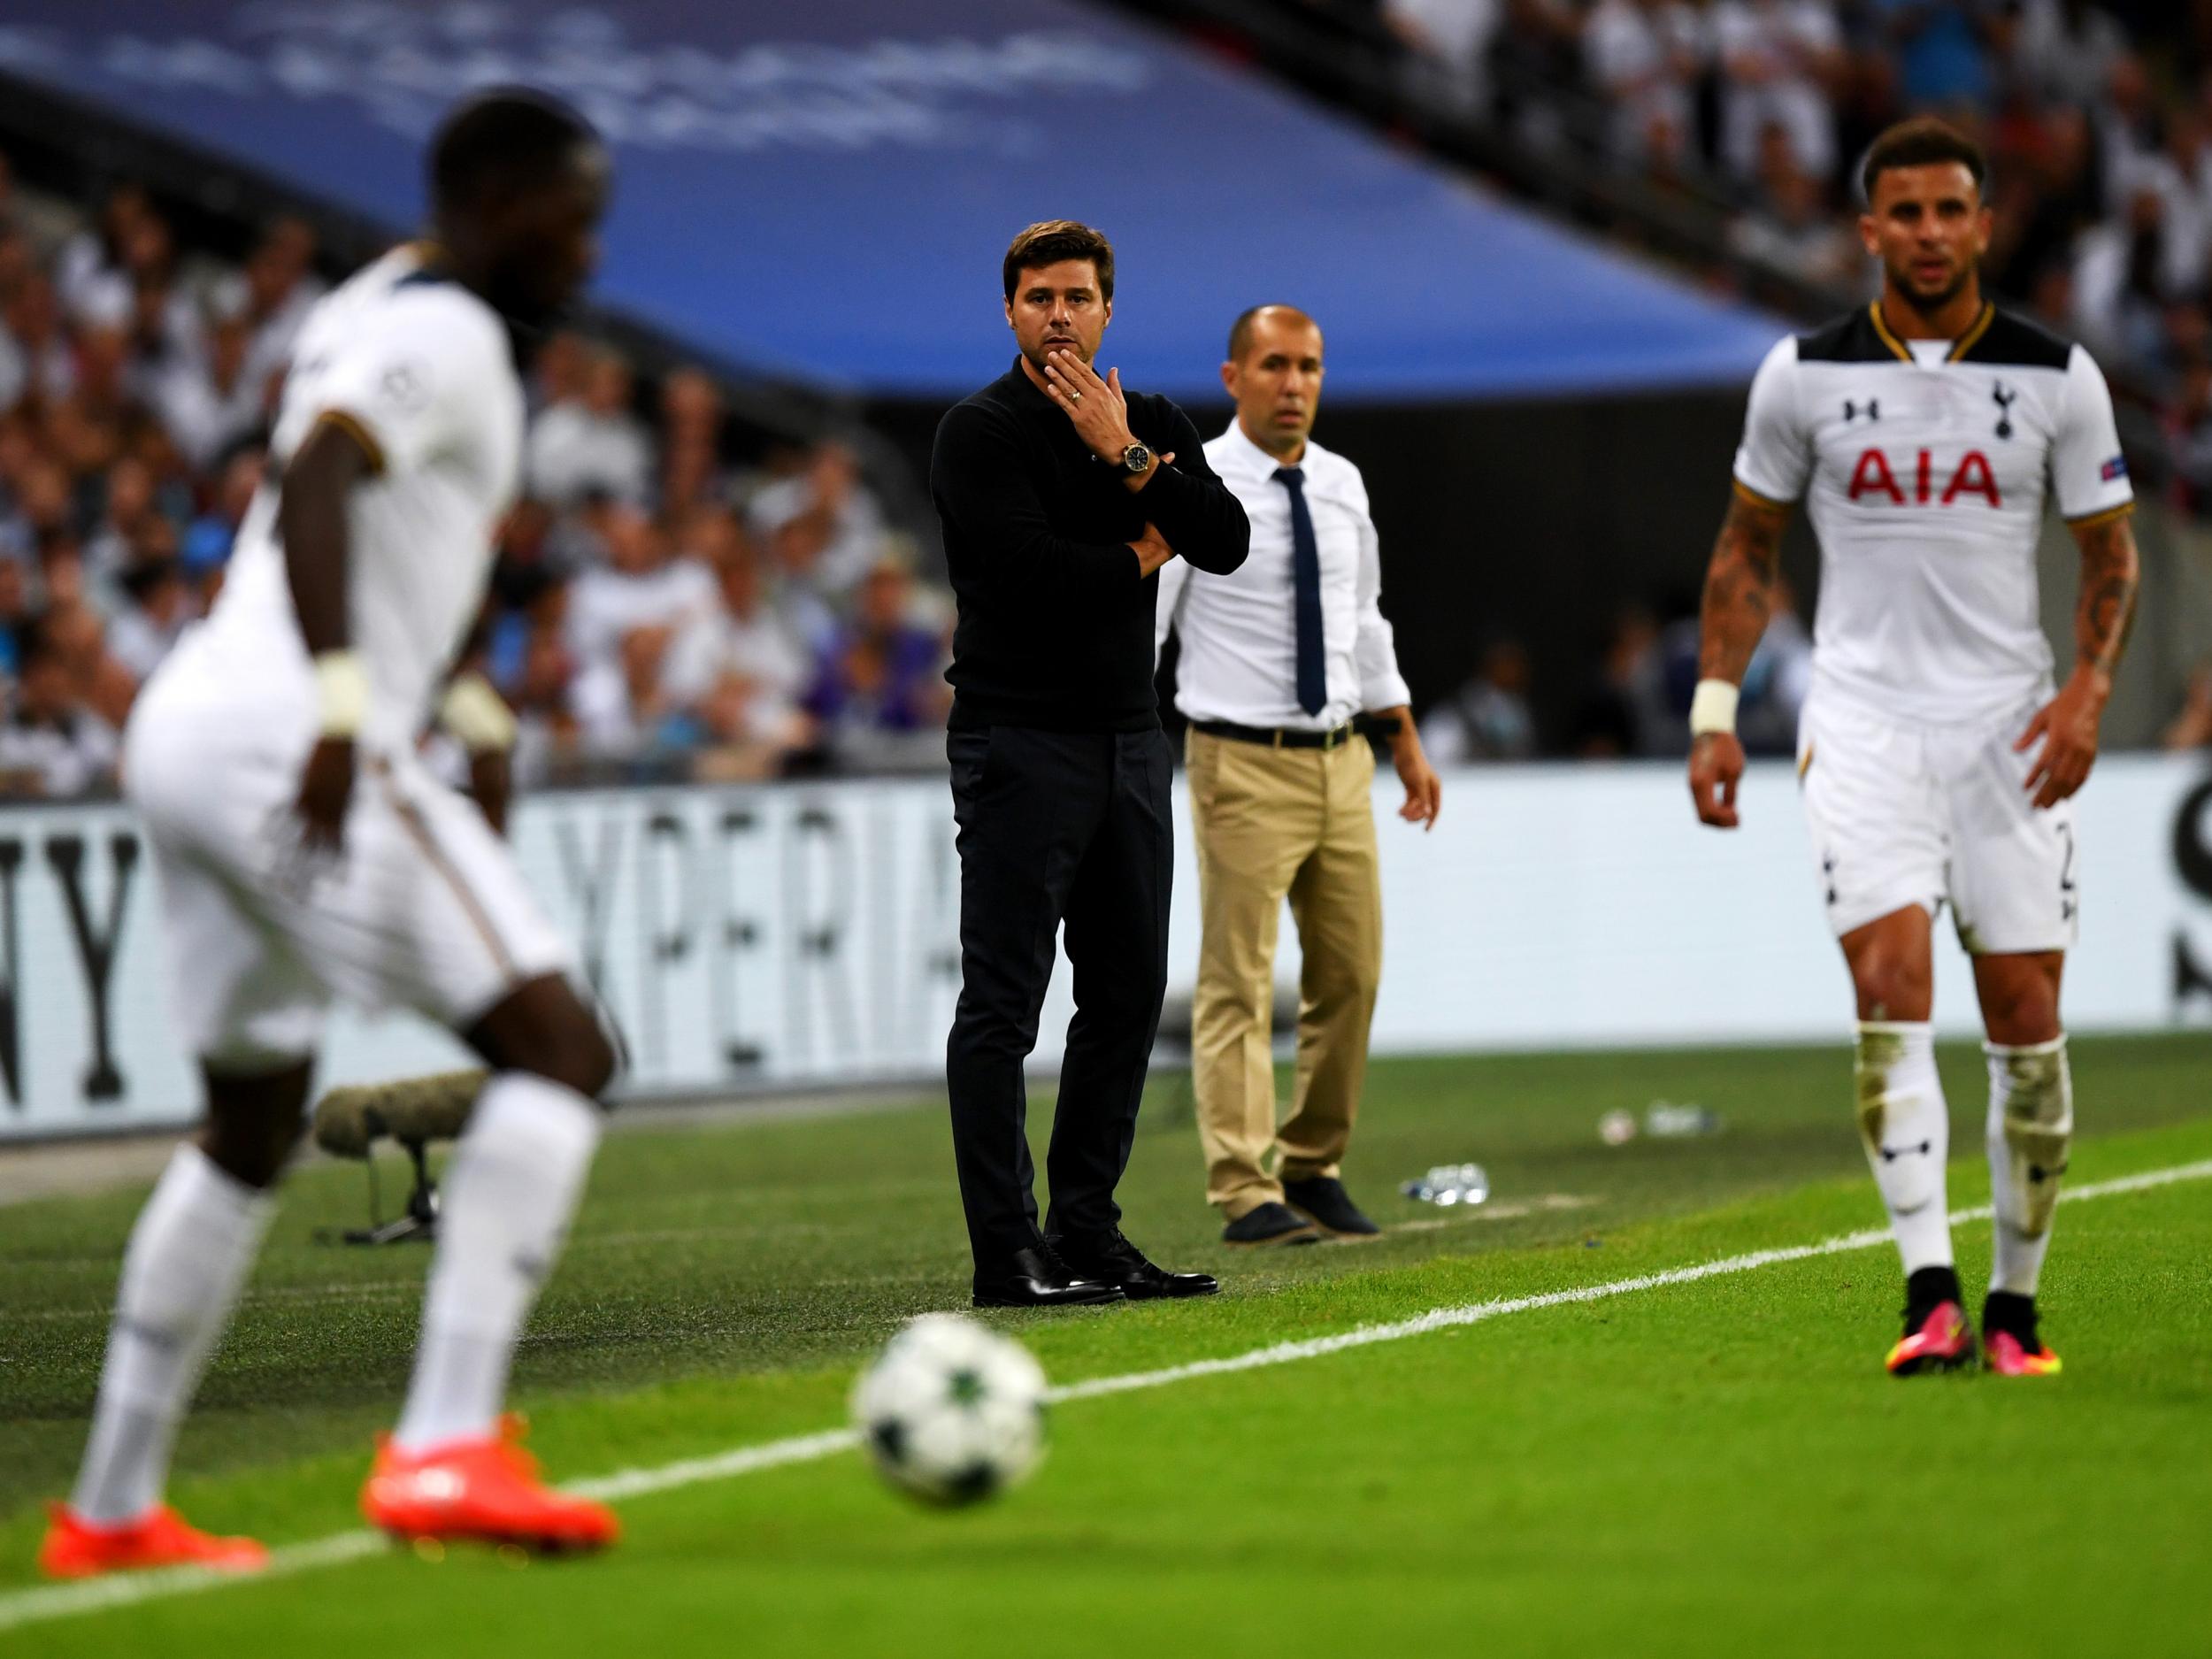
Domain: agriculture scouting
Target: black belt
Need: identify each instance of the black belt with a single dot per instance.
(1278, 737)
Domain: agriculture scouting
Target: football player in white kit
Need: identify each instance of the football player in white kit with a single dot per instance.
(1925, 433)
(306, 856)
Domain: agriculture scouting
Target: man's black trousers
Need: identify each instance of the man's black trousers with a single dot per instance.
(1072, 827)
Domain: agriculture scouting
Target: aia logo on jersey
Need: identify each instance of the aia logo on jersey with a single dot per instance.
(1875, 476)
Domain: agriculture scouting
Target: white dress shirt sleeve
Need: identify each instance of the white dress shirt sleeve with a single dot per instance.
(1375, 648)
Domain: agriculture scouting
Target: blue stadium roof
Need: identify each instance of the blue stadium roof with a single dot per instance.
(824, 192)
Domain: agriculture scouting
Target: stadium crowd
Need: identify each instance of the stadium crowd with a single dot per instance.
(658, 611)
(2097, 118)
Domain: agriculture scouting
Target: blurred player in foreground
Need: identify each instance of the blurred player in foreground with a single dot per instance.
(306, 855)
(1936, 761)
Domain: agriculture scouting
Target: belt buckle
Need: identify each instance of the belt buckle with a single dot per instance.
(1331, 738)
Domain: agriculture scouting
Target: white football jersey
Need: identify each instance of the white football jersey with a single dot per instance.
(422, 371)
(1925, 468)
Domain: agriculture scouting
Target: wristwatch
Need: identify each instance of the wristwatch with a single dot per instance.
(1136, 460)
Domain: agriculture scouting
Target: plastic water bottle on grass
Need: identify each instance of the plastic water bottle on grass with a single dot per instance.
(1450, 1184)
(1667, 1120)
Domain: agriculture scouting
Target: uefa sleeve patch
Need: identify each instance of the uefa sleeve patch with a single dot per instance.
(2116, 467)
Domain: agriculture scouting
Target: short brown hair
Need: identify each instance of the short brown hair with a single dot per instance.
(1240, 330)
(1052, 240)
(1923, 142)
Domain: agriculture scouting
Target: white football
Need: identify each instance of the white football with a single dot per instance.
(952, 1412)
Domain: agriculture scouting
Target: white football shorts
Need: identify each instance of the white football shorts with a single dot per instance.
(426, 909)
(1904, 813)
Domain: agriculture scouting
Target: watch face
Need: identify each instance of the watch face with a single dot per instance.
(1136, 457)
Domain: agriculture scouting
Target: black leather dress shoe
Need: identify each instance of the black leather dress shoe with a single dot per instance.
(1111, 1257)
(1269, 1224)
(1323, 1197)
(1038, 1279)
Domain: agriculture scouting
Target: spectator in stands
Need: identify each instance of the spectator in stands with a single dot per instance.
(1488, 717)
(535, 671)
(2127, 119)
(2062, 52)
(640, 585)
(2125, 276)
(625, 709)
(1617, 716)
(1783, 64)
(736, 665)
(281, 287)
(40, 506)
(158, 607)
(827, 510)
(126, 528)
(78, 637)
(52, 743)
(2047, 192)
(36, 361)
(92, 272)
(1536, 49)
(691, 443)
(1945, 62)
(16, 606)
(880, 673)
(592, 443)
(558, 372)
(1644, 57)
(2189, 432)
(2192, 727)
(207, 400)
(1451, 41)
(206, 550)
(1790, 226)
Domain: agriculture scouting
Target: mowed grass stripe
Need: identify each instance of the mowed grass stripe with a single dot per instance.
(58, 1602)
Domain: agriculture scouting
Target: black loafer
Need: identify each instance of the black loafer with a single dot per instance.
(1269, 1224)
(1323, 1197)
(1038, 1279)
(1112, 1258)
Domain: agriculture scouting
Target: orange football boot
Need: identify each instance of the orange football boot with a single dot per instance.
(78, 1548)
(2008, 1357)
(1941, 1342)
(485, 1489)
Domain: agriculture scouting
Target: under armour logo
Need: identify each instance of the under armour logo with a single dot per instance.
(2037, 1174)
(1851, 409)
(2003, 396)
(1890, 1155)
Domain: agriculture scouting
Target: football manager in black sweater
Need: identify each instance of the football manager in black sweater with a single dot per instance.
(1062, 496)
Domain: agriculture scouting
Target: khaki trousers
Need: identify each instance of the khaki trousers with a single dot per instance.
(1272, 824)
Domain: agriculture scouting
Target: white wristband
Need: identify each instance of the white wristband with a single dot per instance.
(477, 715)
(1713, 707)
(342, 693)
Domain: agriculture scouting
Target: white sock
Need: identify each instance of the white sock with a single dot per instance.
(189, 1255)
(513, 1187)
(2030, 1132)
(1908, 1135)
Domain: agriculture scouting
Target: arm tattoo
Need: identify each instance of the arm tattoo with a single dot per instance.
(2110, 572)
(1737, 587)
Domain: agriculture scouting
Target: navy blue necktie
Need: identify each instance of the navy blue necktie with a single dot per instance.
(1305, 585)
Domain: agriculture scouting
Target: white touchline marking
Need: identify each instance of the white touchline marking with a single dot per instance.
(66, 1601)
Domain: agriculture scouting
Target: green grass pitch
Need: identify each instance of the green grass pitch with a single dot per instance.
(1714, 1467)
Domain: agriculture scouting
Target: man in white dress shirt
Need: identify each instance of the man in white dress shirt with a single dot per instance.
(1278, 659)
